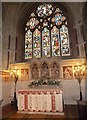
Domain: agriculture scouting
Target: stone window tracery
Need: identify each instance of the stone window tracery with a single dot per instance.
(46, 33)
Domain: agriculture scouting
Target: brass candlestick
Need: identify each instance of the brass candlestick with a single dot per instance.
(14, 74)
(79, 72)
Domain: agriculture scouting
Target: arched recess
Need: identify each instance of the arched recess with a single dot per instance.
(34, 71)
(26, 9)
(55, 69)
(44, 71)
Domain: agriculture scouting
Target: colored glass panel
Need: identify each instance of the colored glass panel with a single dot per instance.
(47, 24)
(32, 23)
(65, 49)
(58, 18)
(36, 44)
(46, 42)
(58, 10)
(44, 10)
(55, 42)
(28, 44)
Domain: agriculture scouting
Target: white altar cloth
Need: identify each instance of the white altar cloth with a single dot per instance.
(40, 100)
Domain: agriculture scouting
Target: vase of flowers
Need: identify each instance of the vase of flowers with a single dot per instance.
(42, 82)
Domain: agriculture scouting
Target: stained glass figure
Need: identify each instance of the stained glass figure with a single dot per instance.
(44, 10)
(36, 44)
(28, 44)
(55, 41)
(65, 49)
(46, 42)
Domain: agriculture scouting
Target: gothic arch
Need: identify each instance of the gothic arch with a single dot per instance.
(55, 69)
(44, 70)
(24, 14)
(34, 71)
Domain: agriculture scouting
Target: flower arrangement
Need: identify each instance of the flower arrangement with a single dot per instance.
(44, 82)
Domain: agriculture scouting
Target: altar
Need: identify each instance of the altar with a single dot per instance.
(40, 100)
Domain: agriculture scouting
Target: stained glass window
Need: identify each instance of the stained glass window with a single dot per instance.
(46, 33)
(65, 50)
(33, 22)
(28, 44)
(46, 42)
(55, 41)
(44, 10)
(36, 44)
(58, 19)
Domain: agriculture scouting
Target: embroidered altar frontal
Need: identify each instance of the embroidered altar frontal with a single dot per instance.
(40, 101)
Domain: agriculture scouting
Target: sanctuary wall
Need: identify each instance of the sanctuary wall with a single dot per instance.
(51, 68)
(25, 77)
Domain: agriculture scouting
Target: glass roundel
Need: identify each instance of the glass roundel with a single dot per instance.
(46, 33)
